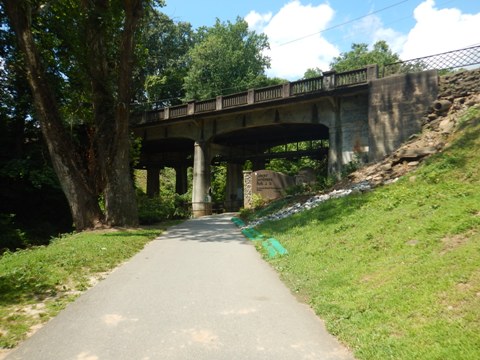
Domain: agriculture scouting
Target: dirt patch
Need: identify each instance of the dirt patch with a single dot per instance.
(452, 242)
(4, 353)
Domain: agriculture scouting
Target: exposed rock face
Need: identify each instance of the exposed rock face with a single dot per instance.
(457, 93)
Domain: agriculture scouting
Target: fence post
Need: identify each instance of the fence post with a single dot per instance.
(219, 103)
(250, 96)
(372, 72)
(329, 80)
(191, 108)
(286, 90)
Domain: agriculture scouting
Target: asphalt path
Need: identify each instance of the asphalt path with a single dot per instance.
(200, 291)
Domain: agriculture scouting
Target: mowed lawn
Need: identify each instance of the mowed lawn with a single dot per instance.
(395, 272)
(37, 283)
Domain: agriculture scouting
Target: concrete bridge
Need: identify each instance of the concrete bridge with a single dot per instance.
(355, 114)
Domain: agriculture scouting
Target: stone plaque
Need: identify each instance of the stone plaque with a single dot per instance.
(305, 176)
(270, 185)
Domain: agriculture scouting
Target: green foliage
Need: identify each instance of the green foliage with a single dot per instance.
(394, 272)
(226, 59)
(158, 209)
(247, 214)
(56, 273)
(293, 166)
(350, 167)
(258, 201)
(12, 237)
(218, 182)
(312, 73)
(360, 56)
(161, 51)
(167, 205)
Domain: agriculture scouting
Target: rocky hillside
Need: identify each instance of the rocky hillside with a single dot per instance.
(457, 93)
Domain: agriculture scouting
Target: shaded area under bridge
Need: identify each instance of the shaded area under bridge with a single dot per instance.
(355, 113)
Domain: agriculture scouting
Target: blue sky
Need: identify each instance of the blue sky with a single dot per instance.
(309, 33)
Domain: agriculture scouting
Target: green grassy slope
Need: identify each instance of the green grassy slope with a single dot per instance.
(35, 284)
(395, 272)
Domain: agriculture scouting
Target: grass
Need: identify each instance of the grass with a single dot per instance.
(395, 273)
(35, 284)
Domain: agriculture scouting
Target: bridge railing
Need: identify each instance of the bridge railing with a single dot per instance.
(205, 105)
(327, 82)
(268, 93)
(178, 111)
(306, 86)
(351, 77)
(235, 100)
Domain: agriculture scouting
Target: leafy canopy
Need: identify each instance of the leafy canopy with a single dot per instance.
(360, 56)
(226, 59)
(161, 52)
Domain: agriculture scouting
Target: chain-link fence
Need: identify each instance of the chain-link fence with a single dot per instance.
(445, 61)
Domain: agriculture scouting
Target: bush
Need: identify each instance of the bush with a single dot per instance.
(12, 238)
(160, 208)
(246, 214)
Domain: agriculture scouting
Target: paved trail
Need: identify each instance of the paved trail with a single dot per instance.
(201, 291)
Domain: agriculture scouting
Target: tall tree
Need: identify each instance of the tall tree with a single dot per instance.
(312, 73)
(163, 46)
(361, 56)
(227, 58)
(82, 52)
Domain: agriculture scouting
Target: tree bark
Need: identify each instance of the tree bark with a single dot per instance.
(120, 199)
(111, 116)
(83, 202)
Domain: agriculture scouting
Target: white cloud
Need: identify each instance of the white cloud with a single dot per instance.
(439, 30)
(257, 21)
(295, 38)
(372, 29)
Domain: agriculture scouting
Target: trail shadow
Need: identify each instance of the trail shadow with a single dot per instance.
(208, 229)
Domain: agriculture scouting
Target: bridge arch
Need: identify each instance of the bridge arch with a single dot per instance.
(362, 114)
(253, 143)
(157, 154)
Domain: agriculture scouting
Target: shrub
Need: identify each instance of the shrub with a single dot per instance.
(160, 208)
(12, 238)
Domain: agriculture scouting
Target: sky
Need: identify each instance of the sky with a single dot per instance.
(310, 33)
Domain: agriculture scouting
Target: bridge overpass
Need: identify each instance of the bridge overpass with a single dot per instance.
(356, 113)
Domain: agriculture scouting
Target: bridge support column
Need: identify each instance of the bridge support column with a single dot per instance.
(181, 181)
(153, 181)
(334, 152)
(201, 197)
(234, 189)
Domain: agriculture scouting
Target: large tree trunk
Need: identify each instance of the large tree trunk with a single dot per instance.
(120, 199)
(111, 115)
(83, 201)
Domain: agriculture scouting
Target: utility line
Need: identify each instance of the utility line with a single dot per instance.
(344, 23)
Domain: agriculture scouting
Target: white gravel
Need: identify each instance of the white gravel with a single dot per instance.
(311, 203)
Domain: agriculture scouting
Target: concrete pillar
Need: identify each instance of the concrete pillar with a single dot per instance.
(247, 189)
(201, 199)
(372, 72)
(329, 80)
(153, 181)
(181, 180)
(335, 147)
(234, 188)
